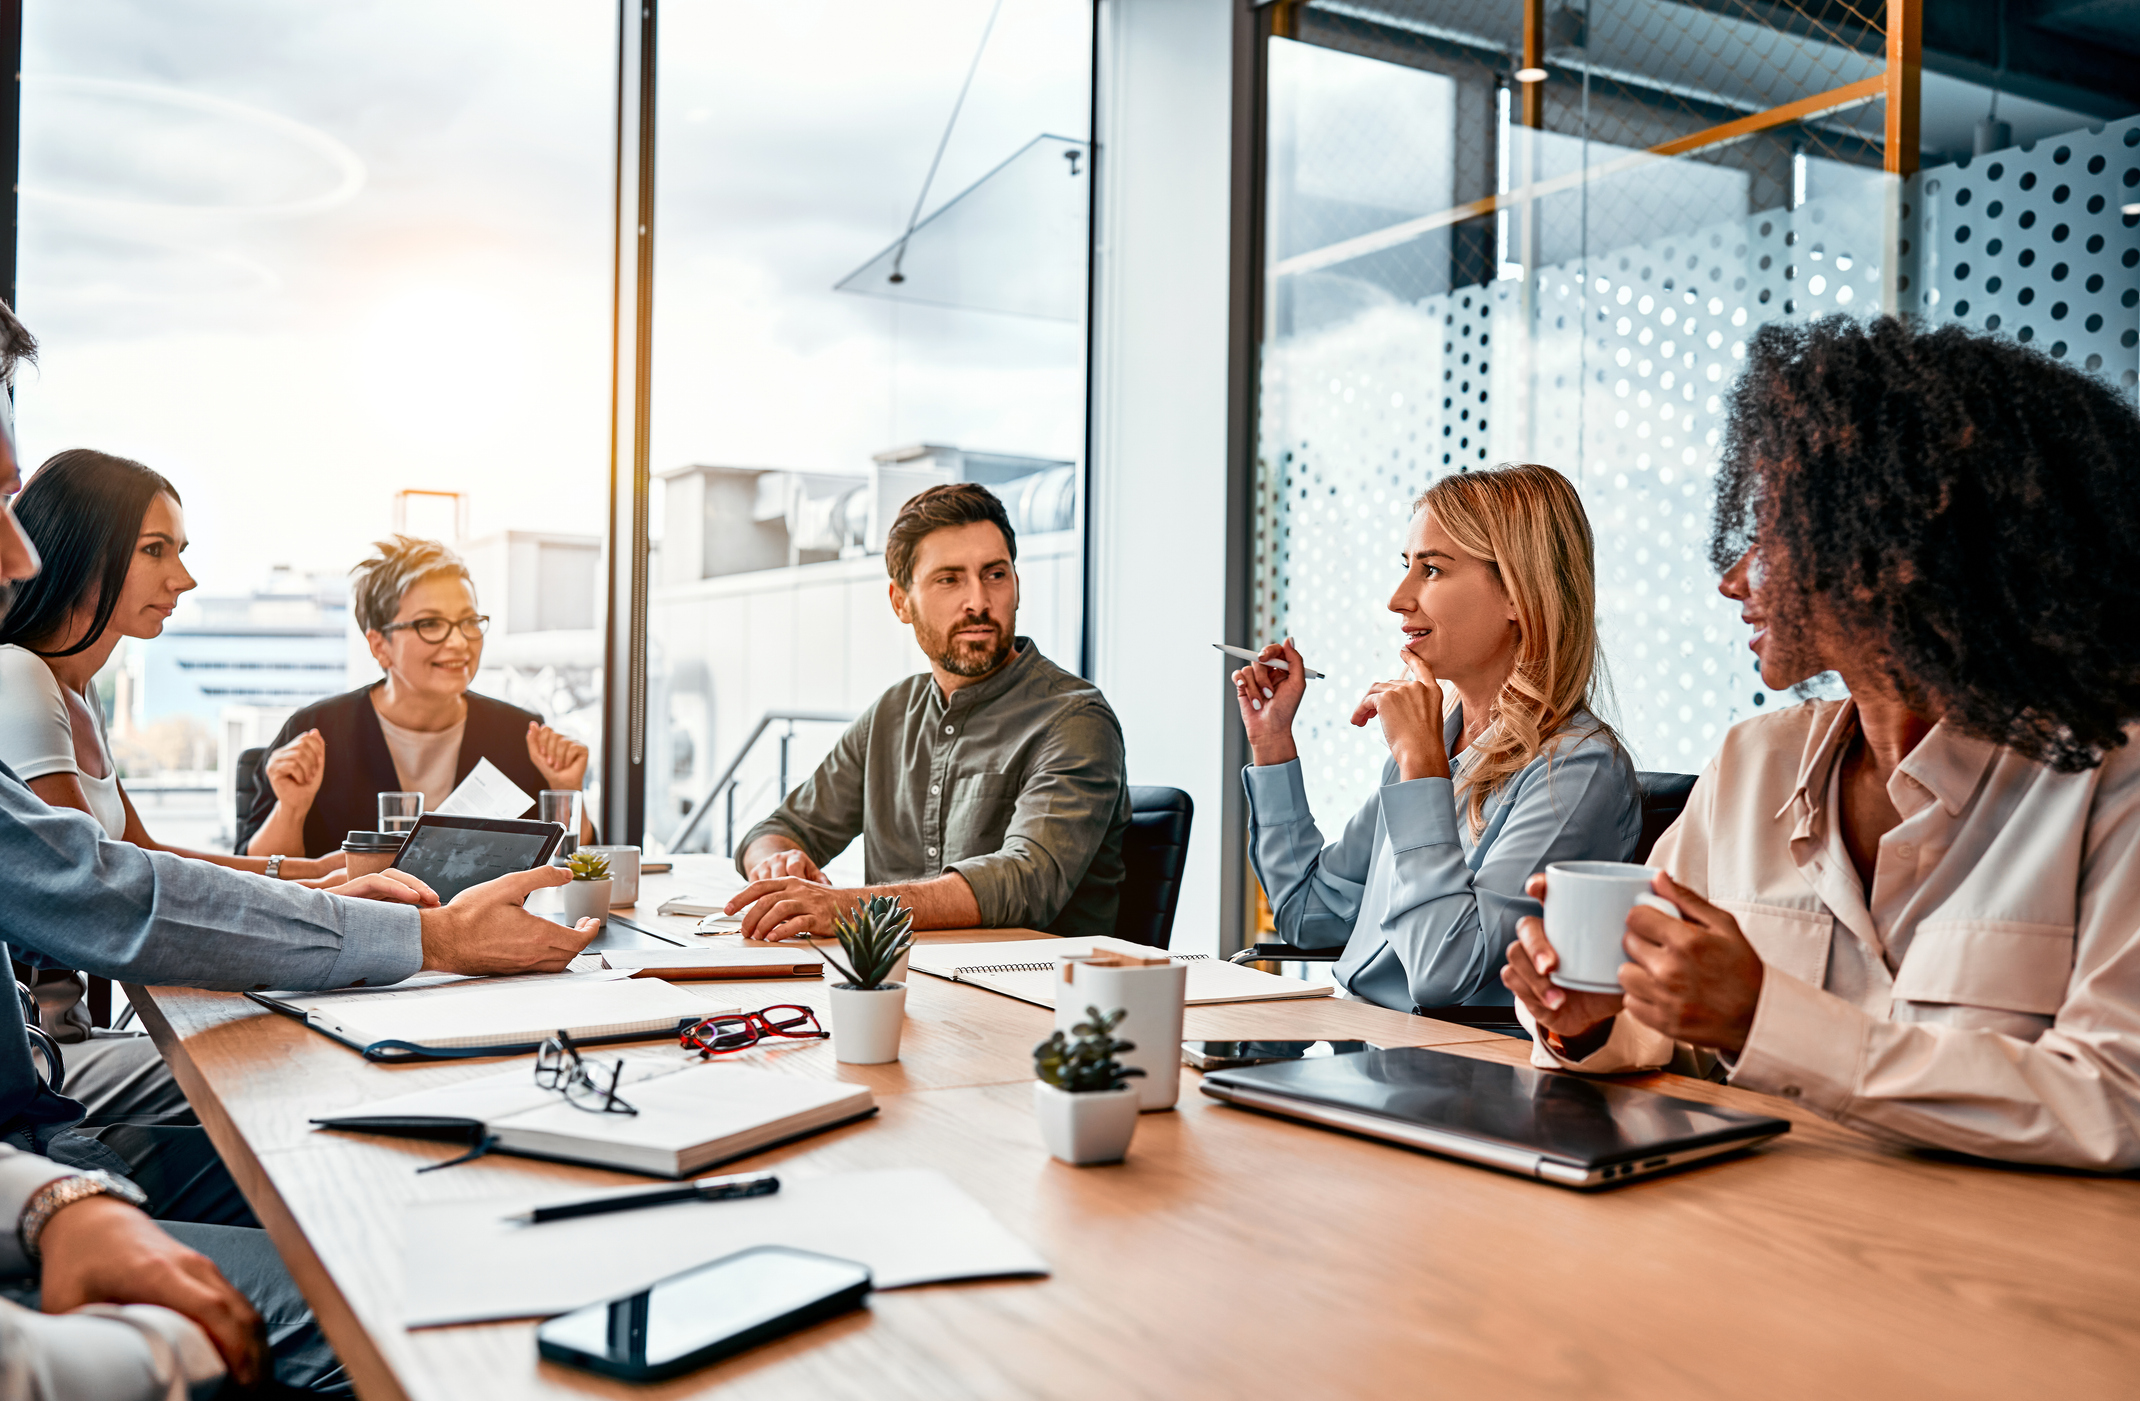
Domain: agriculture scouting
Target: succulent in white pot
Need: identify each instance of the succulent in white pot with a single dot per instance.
(869, 1008)
(1083, 1098)
(587, 893)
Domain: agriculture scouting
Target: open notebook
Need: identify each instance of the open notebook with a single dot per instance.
(690, 1116)
(1025, 968)
(443, 1017)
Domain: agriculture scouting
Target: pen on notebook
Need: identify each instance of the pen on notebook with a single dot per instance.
(1280, 663)
(706, 1189)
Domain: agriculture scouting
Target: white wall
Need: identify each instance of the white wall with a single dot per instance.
(1158, 509)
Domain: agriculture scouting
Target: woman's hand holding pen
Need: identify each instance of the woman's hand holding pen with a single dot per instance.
(1269, 696)
(1411, 713)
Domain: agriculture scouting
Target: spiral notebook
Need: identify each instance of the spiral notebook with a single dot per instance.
(1025, 969)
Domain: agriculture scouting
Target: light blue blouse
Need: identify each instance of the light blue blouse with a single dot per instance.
(1425, 913)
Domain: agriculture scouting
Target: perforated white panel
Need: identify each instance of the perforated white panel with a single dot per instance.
(2030, 242)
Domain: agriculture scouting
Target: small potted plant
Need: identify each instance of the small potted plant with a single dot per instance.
(1086, 1104)
(869, 1007)
(587, 893)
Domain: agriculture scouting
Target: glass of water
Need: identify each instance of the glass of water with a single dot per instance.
(398, 811)
(562, 806)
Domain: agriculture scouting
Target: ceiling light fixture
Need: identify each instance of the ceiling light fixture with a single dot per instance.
(1530, 75)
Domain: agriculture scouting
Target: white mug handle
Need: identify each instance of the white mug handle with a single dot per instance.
(1658, 902)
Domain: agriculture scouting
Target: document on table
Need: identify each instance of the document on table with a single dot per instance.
(466, 1263)
(486, 792)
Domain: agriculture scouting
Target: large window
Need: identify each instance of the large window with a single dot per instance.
(336, 271)
(814, 366)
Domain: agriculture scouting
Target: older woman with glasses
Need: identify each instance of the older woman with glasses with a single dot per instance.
(419, 729)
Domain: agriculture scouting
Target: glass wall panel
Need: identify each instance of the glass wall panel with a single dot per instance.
(815, 367)
(335, 271)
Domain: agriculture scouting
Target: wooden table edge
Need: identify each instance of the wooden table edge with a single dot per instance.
(369, 1371)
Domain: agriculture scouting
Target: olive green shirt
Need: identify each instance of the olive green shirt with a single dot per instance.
(1016, 782)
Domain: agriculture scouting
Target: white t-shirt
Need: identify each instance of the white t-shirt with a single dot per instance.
(37, 737)
(424, 760)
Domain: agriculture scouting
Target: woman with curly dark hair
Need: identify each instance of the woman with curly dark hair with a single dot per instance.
(1913, 910)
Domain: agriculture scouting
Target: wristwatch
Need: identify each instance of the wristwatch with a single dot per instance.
(47, 1200)
(274, 867)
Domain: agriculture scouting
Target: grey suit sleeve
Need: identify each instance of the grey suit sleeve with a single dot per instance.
(1069, 799)
(116, 910)
(1314, 889)
(1451, 926)
(826, 812)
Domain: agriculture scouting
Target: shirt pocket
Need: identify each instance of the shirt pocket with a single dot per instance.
(979, 814)
(2005, 965)
(1793, 942)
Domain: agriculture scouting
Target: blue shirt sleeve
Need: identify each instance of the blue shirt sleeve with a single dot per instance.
(113, 909)
(1314, 889)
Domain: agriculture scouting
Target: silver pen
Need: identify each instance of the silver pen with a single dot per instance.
(1280, 663)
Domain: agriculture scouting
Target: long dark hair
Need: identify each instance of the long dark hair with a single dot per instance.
(83, 510)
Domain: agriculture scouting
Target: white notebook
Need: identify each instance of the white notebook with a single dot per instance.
(690, 1115)
(1025, 968)
(504, 1015)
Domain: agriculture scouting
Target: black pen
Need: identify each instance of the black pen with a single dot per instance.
(706, 1189)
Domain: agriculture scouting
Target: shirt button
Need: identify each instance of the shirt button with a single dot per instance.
(935, 788)
(932, 851)
(1904, 850)
(947, 729)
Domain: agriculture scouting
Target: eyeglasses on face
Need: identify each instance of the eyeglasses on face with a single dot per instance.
(435, 629)
(560, 1067)
(717, 1036)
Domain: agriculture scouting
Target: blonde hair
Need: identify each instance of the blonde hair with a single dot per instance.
(395, 566)
(1528, 523)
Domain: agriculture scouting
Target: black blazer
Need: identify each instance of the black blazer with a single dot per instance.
(360, 767)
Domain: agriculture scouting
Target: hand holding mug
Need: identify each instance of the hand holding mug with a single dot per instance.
(1529, 972)
(1691, 973)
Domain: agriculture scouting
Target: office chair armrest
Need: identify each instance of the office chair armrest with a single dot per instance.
(1291, 953)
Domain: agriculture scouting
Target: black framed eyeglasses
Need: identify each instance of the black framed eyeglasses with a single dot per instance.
(559, 1066)
(435, 630)
(718, 1036)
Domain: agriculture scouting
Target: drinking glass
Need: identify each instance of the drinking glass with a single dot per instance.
(398, 811)
(562, 806)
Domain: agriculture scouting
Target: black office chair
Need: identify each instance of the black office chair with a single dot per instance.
(247, 782)
(1664, 798)
(1154, 850)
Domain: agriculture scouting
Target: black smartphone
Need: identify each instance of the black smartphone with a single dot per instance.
(1218, 1055)
(696, 1317)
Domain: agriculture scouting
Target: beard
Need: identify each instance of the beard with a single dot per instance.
(968, 658)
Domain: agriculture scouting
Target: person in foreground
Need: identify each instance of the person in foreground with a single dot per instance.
(1911, 911)
(418, 729)
(121, 911)
(988, 791)
(1424, 886)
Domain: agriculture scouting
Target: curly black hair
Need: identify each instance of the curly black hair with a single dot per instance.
(1964, 508)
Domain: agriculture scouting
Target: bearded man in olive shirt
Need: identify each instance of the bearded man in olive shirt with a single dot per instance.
(988, 792)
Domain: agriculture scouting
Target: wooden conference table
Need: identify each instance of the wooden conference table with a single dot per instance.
(1236, 1255)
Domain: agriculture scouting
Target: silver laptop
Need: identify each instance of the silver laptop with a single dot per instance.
(1570, 1130)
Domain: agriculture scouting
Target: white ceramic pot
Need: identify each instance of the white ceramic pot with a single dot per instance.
(581, 898)
(1082, 1129)
(866, 1023)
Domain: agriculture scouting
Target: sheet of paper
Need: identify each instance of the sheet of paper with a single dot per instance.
(585, 968)
(450, 1014)
(465, 1263)
(486, 792)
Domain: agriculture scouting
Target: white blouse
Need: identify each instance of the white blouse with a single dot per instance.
(37, 737)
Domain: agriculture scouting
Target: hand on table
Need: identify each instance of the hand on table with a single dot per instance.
(318, 871)
(1269, 697)
(485, 930)
(1411, 713)
(295, 770)
(788, 861)
(391, 886)
(560, 759)
(100, 1250)
(788, 907)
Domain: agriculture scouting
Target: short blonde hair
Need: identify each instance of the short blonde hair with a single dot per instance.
(397, 565)
(1528, 523)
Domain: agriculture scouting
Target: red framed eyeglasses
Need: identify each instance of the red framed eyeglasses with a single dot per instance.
(718, 1036)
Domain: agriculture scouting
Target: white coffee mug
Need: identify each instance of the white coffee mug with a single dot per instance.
(1587, 903)
(623, 873)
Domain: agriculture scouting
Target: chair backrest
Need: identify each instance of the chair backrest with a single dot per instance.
(1664, 798)
(1154, 850)
(247, 780)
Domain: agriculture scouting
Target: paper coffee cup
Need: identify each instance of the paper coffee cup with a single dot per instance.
(1152, 993)
(1587, 903)
(368, 853)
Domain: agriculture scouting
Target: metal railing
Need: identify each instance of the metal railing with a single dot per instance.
(726, 784)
